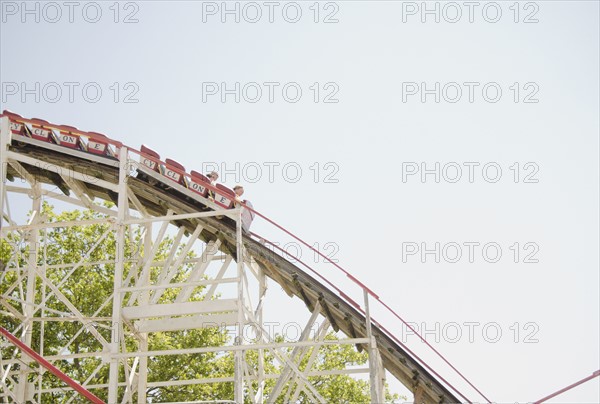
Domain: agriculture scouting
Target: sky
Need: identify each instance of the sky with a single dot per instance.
(444, 153)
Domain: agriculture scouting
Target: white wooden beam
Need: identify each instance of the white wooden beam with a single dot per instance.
(187, 323)
(114, 347)
(60, 170)
(175, 309)
(287, 370)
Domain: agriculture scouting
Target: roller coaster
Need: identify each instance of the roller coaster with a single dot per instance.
(146, 191)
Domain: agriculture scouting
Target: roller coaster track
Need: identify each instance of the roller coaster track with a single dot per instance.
(63, 157)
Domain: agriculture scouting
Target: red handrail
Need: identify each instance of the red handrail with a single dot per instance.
(352, 302)
(569, 387)
(53, 369)
(388, 308)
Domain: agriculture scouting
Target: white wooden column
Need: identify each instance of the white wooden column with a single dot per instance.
(113, 378)
(375, 369)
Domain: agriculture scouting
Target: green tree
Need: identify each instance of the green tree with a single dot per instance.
(86, 254)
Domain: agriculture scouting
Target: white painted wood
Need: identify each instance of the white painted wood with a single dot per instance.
(62, 170)
(175, 309)
(187, 323)
(113, 376)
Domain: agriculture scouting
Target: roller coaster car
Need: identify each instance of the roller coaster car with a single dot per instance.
(68, 137)
(174, 171)
(149, 159)
(198, 183)
(40, 129)
(101, 145)
(224, 196)
(16, 128)
(151, 163)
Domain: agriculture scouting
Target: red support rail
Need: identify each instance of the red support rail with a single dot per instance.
(569, 387)
(376, 297)
(357, 306)
(53, 369)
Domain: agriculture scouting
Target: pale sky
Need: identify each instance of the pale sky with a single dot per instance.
(343, 172)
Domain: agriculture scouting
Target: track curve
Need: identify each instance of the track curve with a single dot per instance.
(158, 194)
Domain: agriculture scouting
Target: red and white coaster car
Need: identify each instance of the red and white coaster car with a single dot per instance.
(16, 127)
(102, 145)
(224, 196)
(39, 129)
(174, 171)
(150, 158)
(198, 183)
(68, 136)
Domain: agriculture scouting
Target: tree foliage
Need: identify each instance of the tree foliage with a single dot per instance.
(80, 261)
